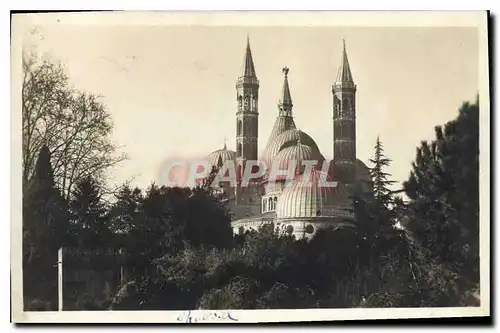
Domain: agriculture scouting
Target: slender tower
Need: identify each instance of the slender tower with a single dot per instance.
(247, 114)
(344, 123)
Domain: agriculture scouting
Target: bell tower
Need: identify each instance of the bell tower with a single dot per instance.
(344, 123)
(247, 124)
(247, 115)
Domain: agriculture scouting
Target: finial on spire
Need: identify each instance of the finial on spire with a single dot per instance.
(285, 98)
(285, 71)
(225, 147)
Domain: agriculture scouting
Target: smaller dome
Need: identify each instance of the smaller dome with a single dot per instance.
(363, 180)
(297, 152)
(308, 196)
(219, 157)
(362, 172)
(285, 139)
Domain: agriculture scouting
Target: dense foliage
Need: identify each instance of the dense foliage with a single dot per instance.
(181, 253)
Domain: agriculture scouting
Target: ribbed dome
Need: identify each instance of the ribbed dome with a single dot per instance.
(307, 197)
(287, 138)
(218, 157)
(297, 152)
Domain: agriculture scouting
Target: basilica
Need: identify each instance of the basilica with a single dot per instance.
(299, 206)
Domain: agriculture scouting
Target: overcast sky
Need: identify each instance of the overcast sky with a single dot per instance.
(171, 89)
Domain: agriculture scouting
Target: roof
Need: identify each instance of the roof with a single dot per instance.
(344, 71)
(264, 217)
(309, 196)
(297, 152)
(248, 66)
(286, 139)
(286, 97)
(218, 157)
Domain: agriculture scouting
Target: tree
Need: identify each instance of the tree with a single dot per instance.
(90, 220)
(375, 214)
(444, 190)
(74, 125)
(125, 211)
(381, 184)
(44, 232)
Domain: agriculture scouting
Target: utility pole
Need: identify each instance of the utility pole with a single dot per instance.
(60, 279)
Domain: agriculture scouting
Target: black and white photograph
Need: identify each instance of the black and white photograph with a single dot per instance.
(244, 167)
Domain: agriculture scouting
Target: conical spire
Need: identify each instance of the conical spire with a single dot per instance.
(344, 72)
(248, 67)
(285, 98)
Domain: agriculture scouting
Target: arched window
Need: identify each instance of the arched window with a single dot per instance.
(336, 106)
(239, 127)
(270, 205)
(345, 107)
(240, 101)
(275, 201)
(263, 205)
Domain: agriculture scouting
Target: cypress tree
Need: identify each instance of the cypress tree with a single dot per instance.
(45, 220)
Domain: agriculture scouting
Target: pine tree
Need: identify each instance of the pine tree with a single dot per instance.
(381, 184)
(444, 191)
(44, 232)
(89, 215)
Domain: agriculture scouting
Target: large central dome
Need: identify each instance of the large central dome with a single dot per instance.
(297, 152)
(308, 196)
(287, 139)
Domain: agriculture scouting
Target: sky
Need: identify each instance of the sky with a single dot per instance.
(171, 89)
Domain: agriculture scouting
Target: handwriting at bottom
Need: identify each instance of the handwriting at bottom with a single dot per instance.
(189, 317)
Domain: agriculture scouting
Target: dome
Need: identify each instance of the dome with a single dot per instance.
(218, 157)
(307, 197)
(297, 152)
(362, 172)
(287, 138)
(363, 181)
